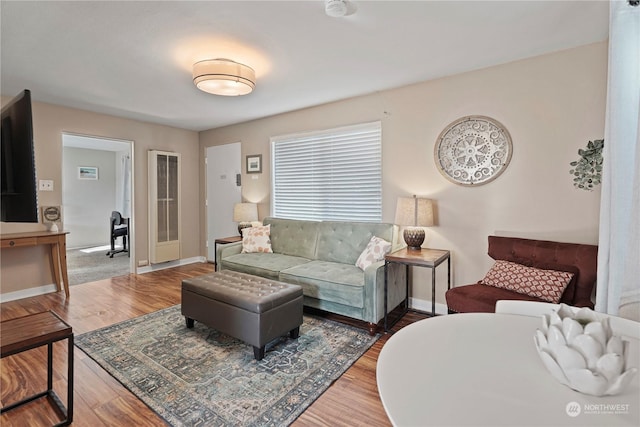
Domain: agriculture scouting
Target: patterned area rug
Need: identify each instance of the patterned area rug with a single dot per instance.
(202, 377)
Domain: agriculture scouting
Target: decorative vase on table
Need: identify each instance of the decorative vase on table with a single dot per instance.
(580, 350)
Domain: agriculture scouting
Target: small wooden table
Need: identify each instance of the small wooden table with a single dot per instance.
(58, 242)
(35, 330)
(223, 241)
(430, 258)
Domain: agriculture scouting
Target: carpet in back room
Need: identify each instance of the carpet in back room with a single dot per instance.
(92, 264)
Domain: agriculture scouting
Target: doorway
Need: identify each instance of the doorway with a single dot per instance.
(87, 203)
(223, 174)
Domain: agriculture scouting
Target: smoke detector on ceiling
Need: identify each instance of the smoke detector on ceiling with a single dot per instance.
(336, 8)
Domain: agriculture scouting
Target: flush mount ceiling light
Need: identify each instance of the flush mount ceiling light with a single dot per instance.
(224, 77)
(335, 8)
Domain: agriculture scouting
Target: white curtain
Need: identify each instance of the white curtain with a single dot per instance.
(618, 286)
(123, 184)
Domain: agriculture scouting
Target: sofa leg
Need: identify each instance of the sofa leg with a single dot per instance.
(258, 352)
(373, 328)
(189, 322)
(294, 333)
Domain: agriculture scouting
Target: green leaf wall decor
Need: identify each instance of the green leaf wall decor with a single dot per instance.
(587, 170)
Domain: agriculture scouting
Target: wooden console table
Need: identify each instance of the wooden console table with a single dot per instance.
(35, 330)
(58, 242)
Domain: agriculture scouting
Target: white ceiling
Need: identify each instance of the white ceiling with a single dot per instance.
(134, 59)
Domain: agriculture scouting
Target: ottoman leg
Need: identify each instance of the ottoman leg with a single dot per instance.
(258, 352)
(189, 322)
(295, 333)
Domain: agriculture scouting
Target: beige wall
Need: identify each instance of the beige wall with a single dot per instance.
(22, 268)
(551, 105)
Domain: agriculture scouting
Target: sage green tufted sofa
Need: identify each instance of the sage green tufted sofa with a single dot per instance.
(320, 257)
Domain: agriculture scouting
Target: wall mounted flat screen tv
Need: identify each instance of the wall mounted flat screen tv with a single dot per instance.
(19, 191)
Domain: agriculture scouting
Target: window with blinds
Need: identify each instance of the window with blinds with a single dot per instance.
(334, 174)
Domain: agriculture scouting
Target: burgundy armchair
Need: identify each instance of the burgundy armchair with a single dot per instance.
(579, 259)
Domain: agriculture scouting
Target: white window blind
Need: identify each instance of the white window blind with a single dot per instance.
(334, 174)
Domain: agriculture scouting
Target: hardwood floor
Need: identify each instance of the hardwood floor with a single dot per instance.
(100, 400)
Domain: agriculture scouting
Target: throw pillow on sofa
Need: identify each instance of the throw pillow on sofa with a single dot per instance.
(256, 239)
(375, 251)
(548, 285)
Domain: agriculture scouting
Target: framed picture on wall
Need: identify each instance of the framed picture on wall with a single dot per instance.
(87, 172)
(254, 163)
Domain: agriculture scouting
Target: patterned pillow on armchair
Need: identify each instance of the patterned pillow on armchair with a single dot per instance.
(548, 285)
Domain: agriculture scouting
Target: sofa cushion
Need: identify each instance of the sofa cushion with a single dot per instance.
(256, 239)
(343, 242)
(266, 265)
(478, 298)
(547, 285)
(375, 251)
(293, 237)
(330, 281)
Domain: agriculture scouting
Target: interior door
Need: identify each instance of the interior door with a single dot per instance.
(223, 169)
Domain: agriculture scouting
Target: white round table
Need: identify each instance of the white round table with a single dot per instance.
(483, 369)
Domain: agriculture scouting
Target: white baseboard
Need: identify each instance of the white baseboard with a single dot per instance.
(170, 264)
(26, 293)
(425, 305)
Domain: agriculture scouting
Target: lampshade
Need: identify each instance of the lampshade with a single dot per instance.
(224, 77)
(414, 213)
(245, 212)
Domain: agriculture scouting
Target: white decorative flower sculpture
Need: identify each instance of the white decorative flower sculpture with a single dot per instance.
(579, 349)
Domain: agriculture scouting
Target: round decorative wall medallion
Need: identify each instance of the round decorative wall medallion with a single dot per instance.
(473, 150)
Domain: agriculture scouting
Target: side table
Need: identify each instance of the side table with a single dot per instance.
(35, 330)
(223, 241)
(430, 258)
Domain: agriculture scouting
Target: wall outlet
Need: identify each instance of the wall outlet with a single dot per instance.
(143, 263)
(45, 185)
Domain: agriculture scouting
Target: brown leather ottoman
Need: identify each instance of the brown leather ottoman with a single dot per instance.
(250, 308)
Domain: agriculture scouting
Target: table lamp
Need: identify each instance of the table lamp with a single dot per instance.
(414, 213)
(244, 214)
